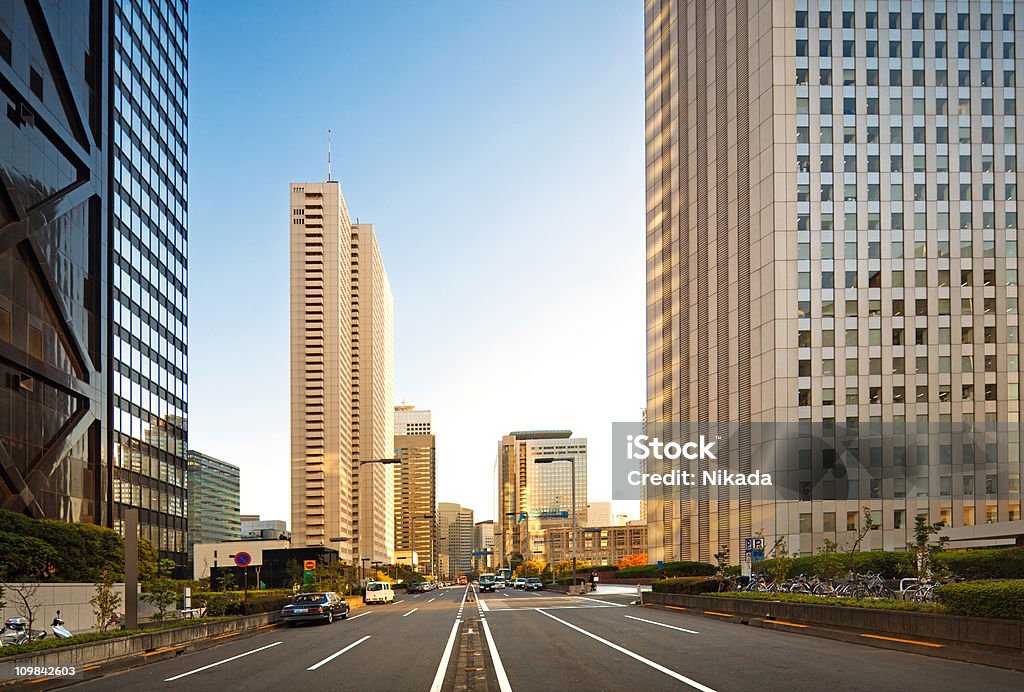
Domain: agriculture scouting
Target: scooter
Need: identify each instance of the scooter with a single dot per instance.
(16, 631)
(58, 628)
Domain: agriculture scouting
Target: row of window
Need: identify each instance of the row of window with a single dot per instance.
(940, 20)
(847, 77)
(899, 394)
(939, 49)
(919, 366)
(899, 518)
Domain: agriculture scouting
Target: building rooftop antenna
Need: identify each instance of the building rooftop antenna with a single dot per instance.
(328, 154)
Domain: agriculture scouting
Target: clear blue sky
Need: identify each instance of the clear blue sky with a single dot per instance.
(498, 148)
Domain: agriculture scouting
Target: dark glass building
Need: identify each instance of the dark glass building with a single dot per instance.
(93, 261)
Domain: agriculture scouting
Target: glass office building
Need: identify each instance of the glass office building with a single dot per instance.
(93, 263)
(214, 489)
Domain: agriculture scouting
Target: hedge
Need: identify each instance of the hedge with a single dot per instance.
(691, 585)
(670, 569)
(231, 602)
(990, 563)
(891, 564)
(985, 599)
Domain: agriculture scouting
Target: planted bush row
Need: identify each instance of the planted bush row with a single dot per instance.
(669, 569)
(996, 563)
(986, 599)
(691, 585)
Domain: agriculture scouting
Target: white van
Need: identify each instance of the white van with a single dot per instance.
(378, 592)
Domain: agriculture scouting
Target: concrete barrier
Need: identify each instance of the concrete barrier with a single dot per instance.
(90, 653)
(953, 629)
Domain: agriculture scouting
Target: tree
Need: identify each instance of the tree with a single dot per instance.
(634, 560)
(105, 603)
(781, 563)
(160, 590)
(530, 568)
(26, 558)
(829, 565)
(925, 548)
(25, 595)
(514, 560)
(866, 526)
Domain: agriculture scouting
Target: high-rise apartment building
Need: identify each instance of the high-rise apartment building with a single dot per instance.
(832, 239)
(321, 368)
(373, 395)
(455, 540)
(214, 487)
(536, 496)
(93, 264)
(483, 542)
(415, 485)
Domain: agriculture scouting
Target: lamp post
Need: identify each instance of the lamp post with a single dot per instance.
(572, 462)
(386, 462)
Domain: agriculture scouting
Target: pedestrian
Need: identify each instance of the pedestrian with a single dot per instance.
(593, 581)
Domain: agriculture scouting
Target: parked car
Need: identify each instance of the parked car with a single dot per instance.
(419, 587)
(533, 584)
(315, 607)
(378, 592)
(519, 583)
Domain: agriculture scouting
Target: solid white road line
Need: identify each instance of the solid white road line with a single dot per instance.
(499, 670)
(598, 600)
(353, 617)
(338, 653)
(662, 624)
(442, 667)
(483, 606)
(226, 660)
(657, 666)
(410, 612)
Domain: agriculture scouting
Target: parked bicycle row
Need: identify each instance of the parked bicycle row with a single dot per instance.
(869, 585)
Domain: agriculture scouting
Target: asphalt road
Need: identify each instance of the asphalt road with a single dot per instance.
(544, 641)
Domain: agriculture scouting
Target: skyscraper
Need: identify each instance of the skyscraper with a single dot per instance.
(373, 395)
(535, 496)
(832, 239)
(455, 539)
(321, 368)
(93, 264)
(415, 485)
(214, 488)
(483, 542)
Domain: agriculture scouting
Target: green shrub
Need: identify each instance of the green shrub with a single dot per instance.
(237, 603)
(670, 569)
(990, 563)
(79, 552)
(891, 564)
(691, 585)
(986, 599)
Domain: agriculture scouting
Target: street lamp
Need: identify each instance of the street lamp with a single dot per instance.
(572, 462)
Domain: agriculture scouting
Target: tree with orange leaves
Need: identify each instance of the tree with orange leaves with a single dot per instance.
(634, 560)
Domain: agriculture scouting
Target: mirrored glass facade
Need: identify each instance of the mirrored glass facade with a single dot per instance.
(93, 262)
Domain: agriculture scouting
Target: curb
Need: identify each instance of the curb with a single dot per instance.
(999, 659)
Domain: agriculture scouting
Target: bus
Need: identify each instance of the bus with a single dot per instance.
(463, 580)
(505, 572)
